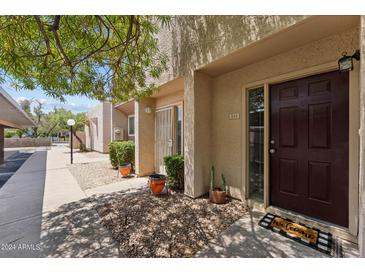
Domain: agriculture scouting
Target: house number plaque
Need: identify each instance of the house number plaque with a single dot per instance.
(234, 116)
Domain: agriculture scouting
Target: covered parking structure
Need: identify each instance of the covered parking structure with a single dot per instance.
(11, 116)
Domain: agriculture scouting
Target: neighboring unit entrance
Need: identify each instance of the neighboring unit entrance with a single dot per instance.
(164, 137)
(309, 143)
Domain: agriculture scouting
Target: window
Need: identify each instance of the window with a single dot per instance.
(131, 125)
(256, 143)
(179, 125)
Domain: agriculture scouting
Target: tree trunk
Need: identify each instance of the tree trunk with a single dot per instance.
(52, 128)
(78, 138)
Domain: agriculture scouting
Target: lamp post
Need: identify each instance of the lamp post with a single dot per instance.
(71, 123)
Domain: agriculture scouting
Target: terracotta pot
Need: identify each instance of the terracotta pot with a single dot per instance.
(125, 169)
(217, 196)
(157, 183)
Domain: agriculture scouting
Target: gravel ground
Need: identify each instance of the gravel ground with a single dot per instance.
(90, 175)
(145, 225)
(94, 155)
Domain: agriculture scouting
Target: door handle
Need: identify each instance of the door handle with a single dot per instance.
(272, 150)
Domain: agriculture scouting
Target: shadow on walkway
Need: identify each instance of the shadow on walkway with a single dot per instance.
(21, 202)
(246, 239)
(74, 230)
(11, 165)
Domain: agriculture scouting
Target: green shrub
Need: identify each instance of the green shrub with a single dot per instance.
(175, 171)
(121, 152)
(9, 133)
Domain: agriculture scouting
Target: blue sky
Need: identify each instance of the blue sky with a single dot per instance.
(74, 103)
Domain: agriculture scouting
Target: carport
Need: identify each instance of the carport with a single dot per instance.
(11, 116)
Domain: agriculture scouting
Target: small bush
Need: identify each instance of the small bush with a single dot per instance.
(121, 152)
(175, 171)
(83, 147)
(9, 133)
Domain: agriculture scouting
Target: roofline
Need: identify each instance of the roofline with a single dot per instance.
(15, 104)
(123, 103)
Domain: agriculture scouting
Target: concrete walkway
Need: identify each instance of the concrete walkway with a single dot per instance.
(21, 200)
(246, 239)
(71, 227)
(44, 212)
(61, 186)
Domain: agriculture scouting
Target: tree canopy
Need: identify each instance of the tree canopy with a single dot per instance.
(49, 123)
(102, 57)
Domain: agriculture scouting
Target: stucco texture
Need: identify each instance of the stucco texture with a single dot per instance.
(195, 44)
(145, 136)
(190, 43)
(98, 132)
(193, 41)
(227, 135)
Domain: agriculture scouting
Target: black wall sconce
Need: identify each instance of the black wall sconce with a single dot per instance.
(345, 62)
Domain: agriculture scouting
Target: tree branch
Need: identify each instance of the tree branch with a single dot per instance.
(44, 34)
(56, 24)
(63, 53)
(103, 45)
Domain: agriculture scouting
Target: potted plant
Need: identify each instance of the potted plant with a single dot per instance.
(121, 155)
(157, 183)
(125, 169)
(217, 195)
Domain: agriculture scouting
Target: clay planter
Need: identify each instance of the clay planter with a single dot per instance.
(217, 196)
(157, 183)
(125, 169)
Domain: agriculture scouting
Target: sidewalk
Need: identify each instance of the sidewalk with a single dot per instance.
(71, 227)
(246, 239)
(21, 200)
(62, 187)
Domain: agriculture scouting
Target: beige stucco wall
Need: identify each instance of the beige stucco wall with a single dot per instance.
(145, 128)
(197, 133)
(193, 41)
(120, 120)
(228, 149)
(190, 43)
(107, 120)
(170, 99)
(98, 132)
(76, 142)
(209, 136)
(145, 137)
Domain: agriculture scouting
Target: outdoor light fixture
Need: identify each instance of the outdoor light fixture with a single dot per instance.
(147, 110)
(345, 62)
(71, 123)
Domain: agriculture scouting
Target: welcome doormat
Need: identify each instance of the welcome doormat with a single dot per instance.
(311, 237)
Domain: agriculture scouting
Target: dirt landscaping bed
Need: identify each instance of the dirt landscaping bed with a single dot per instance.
(167, 226)
(94, 174)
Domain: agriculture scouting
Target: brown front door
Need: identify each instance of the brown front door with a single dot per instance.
(309, 146)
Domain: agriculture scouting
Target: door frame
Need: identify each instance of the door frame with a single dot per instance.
(172, 129)
(172, 107)
(354, 125)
